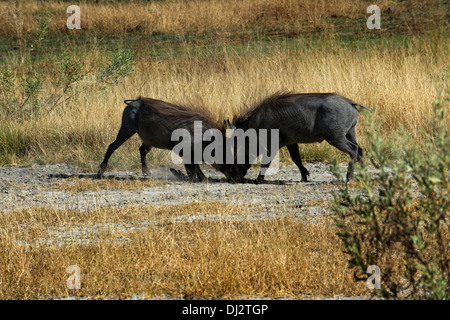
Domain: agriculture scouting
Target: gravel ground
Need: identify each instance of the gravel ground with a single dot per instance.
(283, 193)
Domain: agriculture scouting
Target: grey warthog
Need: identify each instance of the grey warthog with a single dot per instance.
(302, 118)
(155, 121)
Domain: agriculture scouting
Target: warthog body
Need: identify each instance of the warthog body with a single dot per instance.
(154, 121)
(304, 118)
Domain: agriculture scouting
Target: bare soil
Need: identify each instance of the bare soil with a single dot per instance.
(281, 194)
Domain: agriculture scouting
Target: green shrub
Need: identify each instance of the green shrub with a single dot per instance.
(7, 80)
(120, 65)
(397, 216)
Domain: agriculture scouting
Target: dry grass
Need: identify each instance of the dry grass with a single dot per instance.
(143, 251)
(76, 185)
(399, 82)
(183, 16)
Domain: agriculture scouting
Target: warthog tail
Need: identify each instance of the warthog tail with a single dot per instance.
(358, 104)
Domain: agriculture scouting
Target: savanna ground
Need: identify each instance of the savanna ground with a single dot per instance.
(61, 99)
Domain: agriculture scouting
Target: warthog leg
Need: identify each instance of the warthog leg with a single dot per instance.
(124, 134)
(266, 161)
(348, 147)
(295, 155)
(194, 172)
(144, 150)
(260, 178)
(351, 136)
(265, 164)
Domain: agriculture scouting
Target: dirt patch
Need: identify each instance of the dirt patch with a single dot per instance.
(58, 186)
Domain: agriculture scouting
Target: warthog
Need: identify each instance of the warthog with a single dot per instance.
(155, 121)
(302, 118)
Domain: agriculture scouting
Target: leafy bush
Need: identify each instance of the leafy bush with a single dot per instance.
(120, 65)
(7, 80)
(397, 216)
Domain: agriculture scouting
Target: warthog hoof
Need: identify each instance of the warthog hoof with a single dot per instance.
(146, 173)
(259, 180)
(101, 171)
(235, 179)
(305, 174)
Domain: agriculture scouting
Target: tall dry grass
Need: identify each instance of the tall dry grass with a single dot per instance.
(398, 81)
(202, 15)
(59, 125)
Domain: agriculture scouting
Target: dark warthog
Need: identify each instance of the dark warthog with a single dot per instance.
(154, 121)
(303, 118)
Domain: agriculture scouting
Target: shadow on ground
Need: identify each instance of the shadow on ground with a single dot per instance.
(177, 175)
